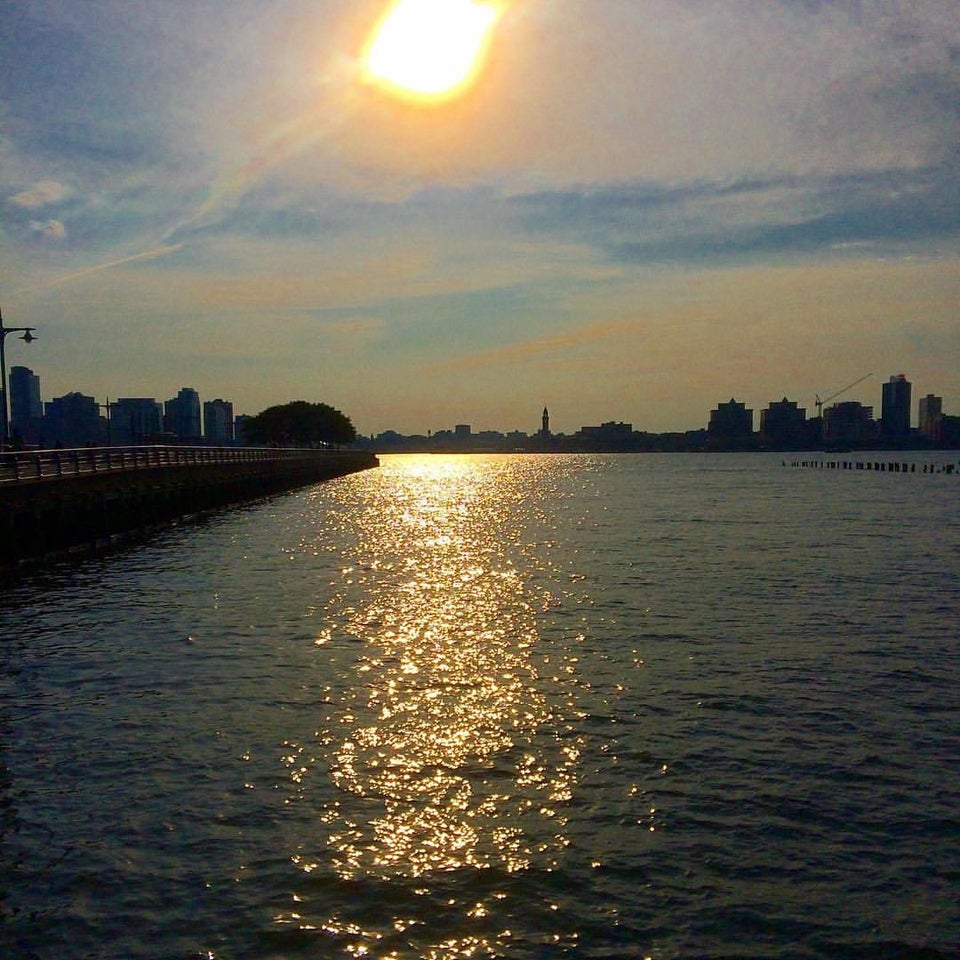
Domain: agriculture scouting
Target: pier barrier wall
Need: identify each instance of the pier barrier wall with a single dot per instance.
(76, 510)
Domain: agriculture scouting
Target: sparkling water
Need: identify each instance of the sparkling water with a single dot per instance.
(511, 706)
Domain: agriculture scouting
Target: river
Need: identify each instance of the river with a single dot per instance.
(664, 706)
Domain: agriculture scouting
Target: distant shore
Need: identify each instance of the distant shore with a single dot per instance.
(696, 441)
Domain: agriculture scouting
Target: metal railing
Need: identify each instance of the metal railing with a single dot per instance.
(26, 466)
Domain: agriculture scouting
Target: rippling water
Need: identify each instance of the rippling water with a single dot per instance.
(523, 707)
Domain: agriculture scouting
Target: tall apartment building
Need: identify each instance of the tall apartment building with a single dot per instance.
(848, 422)
(218, 421)
(182, 414)
(240, 429)
(783, 423)
(895, 408)
(26, 408)
(931, 417)
(134, 420)
(73, 420)
(730, 420)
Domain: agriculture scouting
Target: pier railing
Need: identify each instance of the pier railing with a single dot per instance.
(27, 466)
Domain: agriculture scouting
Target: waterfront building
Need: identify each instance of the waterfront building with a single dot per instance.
(218, 421)
(730, 421)
(182, 414)
(26, 408)
(783, 423)
(134, 420)
(240, 429)
(607, 434)
(950, 432)
(849, 422)
(895, 409)
(73, 420)
(545, 423)
(488, 439)
(931, 417)
(461, 431)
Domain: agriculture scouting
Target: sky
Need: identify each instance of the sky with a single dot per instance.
(639, 209)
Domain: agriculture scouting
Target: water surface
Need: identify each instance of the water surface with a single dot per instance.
(464, 706)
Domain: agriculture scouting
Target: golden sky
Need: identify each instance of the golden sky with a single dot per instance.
(632, 211)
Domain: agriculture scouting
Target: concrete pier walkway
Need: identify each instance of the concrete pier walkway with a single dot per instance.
(56, 500)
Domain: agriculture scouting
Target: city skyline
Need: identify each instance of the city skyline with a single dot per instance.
(900, 413)
(646, 209)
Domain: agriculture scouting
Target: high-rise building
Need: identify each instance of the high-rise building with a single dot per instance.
(73, 420)
(931, 417)
(240, 428)
(895, 409)
(218, 421)
(182, 414)
(26, 408)
(783, 423)
(730, 420)
(848, 422)
(134, 420)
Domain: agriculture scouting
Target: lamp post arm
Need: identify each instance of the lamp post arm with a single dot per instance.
(29, 337)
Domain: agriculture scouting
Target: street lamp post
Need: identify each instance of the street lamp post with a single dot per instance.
(28, 337)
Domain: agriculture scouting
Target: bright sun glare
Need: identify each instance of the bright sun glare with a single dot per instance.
(429, 49)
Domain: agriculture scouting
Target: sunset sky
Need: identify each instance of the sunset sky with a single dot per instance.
(638, 209)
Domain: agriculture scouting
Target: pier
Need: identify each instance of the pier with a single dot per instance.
(61, 500)
(876, 466)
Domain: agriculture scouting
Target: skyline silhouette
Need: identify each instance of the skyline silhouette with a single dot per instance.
(789, 425)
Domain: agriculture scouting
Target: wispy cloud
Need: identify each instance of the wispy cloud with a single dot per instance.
(49, 229)
(40, 195)
(705, 221)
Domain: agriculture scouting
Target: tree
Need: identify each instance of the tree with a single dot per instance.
(300, 424)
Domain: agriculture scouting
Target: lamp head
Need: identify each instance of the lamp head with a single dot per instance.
(28, 336)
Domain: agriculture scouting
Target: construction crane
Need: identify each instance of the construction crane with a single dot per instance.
(819, 403)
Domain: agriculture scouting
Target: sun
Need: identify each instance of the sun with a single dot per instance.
(430, 50)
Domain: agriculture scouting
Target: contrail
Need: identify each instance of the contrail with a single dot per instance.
(285, 140)
(76, 275)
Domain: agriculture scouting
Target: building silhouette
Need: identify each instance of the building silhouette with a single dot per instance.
(895, 409)
(134, 420)
(849, 422)
(545, 423)
(783, 423)
(730, 421)
(610, 434)
(73, 420)
(931, 417)
(218, 421)
(182, 415)
(26, 408)
(240, 429)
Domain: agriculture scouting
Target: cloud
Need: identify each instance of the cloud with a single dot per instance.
(523, 352)
(710, 221)
(49, 229)
(41, 194)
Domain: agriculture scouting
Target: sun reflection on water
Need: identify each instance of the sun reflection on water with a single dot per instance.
(436, 743)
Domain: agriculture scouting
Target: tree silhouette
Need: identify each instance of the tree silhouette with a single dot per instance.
(300, 424)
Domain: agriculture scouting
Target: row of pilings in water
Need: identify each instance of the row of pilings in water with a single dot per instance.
(877, 466)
